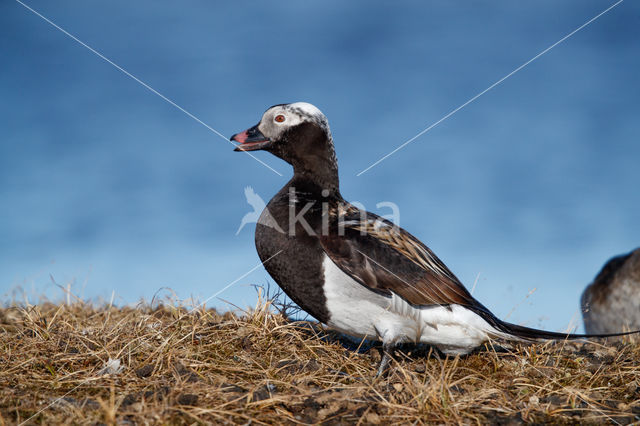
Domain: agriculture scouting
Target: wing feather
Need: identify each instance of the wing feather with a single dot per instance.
(386, 258)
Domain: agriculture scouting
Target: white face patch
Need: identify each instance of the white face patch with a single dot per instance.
(277, 119)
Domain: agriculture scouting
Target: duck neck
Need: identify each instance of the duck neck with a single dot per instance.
(321, 173)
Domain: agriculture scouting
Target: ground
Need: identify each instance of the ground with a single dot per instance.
(88, 363)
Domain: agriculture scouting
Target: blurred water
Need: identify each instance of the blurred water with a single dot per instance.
(106, 185)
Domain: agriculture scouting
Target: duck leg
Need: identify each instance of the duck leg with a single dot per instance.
(386, 352)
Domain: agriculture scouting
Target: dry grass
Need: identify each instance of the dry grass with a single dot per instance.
(200, 366)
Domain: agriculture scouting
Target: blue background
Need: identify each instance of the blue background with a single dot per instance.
(106, 186)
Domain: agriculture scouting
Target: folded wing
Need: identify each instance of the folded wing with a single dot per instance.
(385, 258)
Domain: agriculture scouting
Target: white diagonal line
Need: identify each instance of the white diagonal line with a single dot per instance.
(145, 85)
(181, 109)
(491, 87)
(239, 278)
(201, 304)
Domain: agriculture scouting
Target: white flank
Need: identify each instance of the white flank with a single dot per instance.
(358, 311)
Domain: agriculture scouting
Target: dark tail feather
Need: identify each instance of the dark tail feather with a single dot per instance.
(533, 334)
(513, 331)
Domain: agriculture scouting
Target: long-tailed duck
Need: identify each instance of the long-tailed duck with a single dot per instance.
(351, 269)
(611, 303)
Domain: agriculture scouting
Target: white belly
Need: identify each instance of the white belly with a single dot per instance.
(358, 311)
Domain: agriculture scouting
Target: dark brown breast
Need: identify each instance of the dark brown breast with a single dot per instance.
(295, 257)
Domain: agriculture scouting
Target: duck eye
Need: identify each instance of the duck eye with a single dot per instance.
(279, 118)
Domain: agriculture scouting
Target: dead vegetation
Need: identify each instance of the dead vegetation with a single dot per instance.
(87, 364)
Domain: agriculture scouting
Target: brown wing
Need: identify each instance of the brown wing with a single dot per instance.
(386, 258)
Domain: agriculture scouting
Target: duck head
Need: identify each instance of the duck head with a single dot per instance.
(299, 134)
